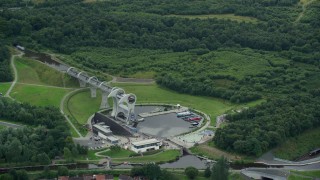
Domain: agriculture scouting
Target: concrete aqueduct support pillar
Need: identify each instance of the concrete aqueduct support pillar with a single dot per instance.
(93, 88)
(82, 83)
(93, 91)
(104, 100)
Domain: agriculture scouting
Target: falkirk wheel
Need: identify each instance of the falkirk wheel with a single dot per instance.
(123, 104)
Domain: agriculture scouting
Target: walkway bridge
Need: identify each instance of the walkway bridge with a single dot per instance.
(122, 102)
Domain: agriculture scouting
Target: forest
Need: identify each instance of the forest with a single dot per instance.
(256, 130)
(44, 137)
(5, 71)
(275, 57)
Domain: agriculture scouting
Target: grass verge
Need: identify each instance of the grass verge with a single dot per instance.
(4, 87)
(314, 174)
(210, 151)
(122, 153)
(298, 146)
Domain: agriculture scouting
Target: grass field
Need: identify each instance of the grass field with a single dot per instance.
(82, 106)
(231, 17)
(4, 87)
(160, 157)
(123, 153)
(314, 174)
(34, 72)
(300, 145)
(38, 95)
(295, 177)
(90, 155)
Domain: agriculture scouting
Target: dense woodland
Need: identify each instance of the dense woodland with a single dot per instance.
(258, 129)
(5, 71)
(276, 57)
(46, 136)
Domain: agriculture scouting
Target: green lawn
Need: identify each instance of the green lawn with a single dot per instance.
(37, 95)
(4, 87)
(33, 72)
(82, 106)
(300, 145)
(91, 155)
(117, 154)
(160, 157)
(295, 177)
(315, 174)
(231, 17)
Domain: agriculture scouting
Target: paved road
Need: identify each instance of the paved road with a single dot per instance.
(10, 124)
(15, 73)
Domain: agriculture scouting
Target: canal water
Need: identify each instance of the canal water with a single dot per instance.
(186, 161)
(181, 163)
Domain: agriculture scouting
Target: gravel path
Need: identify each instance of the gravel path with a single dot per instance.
(15, 73)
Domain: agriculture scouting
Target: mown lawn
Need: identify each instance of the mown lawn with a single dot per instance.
(38, 95)
(122, 153)
(300, 145)
(81, 105)
(314, 174)
(295, 177)
(90, 155)
(160, 157)
(4, 87)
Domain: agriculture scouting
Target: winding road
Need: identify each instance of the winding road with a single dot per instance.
(15, 74)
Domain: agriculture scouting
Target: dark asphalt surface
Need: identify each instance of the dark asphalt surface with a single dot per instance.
(165, 125)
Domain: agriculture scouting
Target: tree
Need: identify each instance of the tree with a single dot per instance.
(220, 170)
(63, 171)
(207, 172)
(152, 171)
(67, 154)
(191, 172)
(137, 171)
(43, 158)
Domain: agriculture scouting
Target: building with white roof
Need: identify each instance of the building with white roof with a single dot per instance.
(145, 145)
(103, 129)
